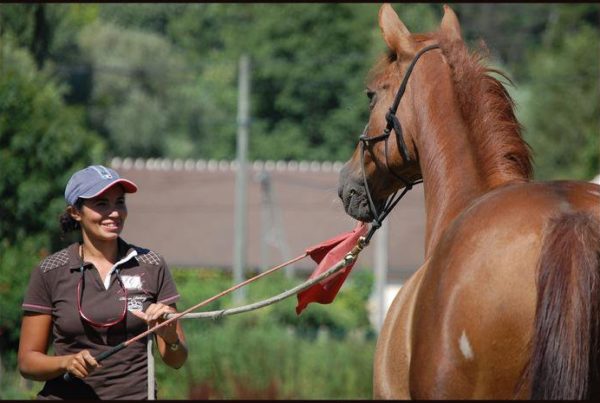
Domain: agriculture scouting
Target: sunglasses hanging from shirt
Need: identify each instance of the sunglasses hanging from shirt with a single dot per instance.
(80, 289)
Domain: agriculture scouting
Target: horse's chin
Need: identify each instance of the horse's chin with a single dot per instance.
(360, 214)
(353, 195)
(358, 207)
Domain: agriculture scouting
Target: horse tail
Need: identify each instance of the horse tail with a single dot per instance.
(565, 344)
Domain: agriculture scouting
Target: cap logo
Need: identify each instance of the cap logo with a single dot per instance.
(102, 171)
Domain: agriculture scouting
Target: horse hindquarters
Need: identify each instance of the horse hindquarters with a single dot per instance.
(393, 353)
(564, 361)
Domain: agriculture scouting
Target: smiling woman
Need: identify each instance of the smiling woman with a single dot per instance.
(80, 295)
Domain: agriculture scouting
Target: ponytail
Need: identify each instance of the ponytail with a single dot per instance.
(67, 223)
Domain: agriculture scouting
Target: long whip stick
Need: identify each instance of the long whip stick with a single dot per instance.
(121, 346)
(349, 258)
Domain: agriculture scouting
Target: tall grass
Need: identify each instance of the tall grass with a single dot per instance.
(325, 353)
(248, 358)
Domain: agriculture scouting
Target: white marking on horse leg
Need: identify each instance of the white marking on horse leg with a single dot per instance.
(465, 346)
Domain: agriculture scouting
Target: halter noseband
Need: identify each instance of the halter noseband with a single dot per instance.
(392, 122)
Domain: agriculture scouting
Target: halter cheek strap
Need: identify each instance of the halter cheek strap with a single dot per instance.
(392, 123)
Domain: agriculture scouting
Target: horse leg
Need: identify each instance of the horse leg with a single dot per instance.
(392, 354)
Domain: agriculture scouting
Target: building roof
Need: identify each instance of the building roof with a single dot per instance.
(184, 210)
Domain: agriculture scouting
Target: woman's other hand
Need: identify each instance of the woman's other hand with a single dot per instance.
(156, 314)
(81, 364)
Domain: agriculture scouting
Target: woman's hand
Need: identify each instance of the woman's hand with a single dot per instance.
(81, 364)
(155, 315)
(171, 334)
(36, 364)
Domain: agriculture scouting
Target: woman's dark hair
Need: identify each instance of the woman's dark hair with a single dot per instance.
(67, 223)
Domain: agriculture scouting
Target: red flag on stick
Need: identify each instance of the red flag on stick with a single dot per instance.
(327, 254)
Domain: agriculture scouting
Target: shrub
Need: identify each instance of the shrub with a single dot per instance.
(325, 353)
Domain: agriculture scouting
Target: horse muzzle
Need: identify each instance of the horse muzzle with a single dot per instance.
(353, 194)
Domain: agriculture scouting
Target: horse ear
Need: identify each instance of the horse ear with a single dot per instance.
(396, 35)
(450, 24)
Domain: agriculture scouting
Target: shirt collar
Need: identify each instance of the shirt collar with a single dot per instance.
(125, 252)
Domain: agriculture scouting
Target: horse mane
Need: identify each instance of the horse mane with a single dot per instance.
(488, 109)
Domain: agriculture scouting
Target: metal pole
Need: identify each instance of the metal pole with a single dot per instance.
(151, 373)
(381, 239)
(240, 219)
(265, 208)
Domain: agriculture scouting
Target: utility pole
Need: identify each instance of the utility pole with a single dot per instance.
(381, 239)
(241, 180)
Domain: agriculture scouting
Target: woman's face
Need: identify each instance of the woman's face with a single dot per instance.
(102, 218)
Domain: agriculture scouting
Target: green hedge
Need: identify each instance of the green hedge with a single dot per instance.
(325, 353)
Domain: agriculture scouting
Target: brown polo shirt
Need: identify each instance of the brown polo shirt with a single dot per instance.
(53, 289)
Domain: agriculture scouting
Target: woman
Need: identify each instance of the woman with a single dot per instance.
(94, 295)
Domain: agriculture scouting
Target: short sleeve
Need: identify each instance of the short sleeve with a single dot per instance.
(167, 290)
(37, 296)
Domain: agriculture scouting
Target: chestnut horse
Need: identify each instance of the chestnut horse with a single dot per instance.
(506, 303)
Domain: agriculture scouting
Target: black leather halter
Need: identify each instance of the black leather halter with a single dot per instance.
(392, 123)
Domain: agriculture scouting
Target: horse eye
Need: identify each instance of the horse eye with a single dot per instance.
(372, 98)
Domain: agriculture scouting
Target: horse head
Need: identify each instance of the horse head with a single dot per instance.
(400, 91)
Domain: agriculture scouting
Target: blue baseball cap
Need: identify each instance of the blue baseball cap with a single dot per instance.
(92, 181)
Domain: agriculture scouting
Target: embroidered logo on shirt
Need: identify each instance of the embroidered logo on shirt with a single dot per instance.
(136, 302)
(132, 283)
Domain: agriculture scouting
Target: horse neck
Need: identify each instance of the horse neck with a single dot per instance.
(451, 177)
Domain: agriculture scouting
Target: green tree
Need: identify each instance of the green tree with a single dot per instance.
(561, 101)
(49, 31)
(308, 67)
(509, 35)
(42, 142)
(138, 100)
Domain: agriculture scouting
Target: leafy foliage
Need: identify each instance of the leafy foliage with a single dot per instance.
(42, 142)
(324, 353)
(135, 102)
(561, 104)
(158, 80)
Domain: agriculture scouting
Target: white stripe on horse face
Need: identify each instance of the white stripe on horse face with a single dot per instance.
(465, 346)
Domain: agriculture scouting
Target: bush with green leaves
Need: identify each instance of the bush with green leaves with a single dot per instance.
(42, 142)
(325, 353)
(560, 107)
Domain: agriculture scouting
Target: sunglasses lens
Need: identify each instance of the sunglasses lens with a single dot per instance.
(80, 288)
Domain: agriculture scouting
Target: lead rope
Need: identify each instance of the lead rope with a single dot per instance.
(343, 263)
(346, 261)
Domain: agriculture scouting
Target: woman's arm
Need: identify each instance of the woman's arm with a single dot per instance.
(35, 364)
(171, 334)
(173, 358)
